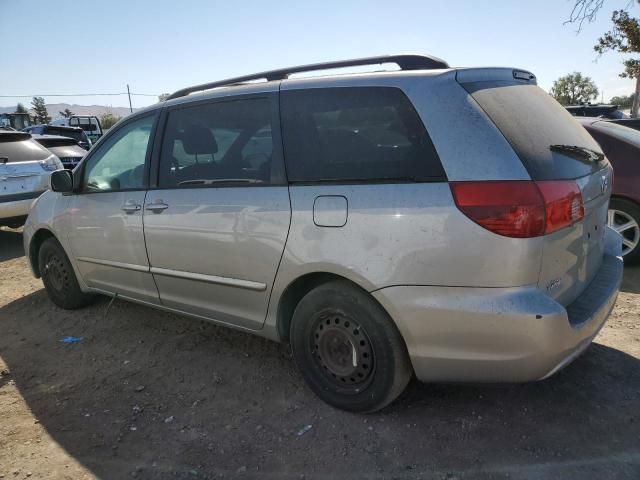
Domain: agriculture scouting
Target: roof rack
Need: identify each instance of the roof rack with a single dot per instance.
(405, 62)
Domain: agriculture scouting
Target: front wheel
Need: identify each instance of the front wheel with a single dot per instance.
(58, 277)
(624, 217)
(349, 351)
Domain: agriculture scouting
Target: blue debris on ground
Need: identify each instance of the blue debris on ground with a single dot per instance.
(71, 339)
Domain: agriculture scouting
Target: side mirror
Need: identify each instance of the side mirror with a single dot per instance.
(62, 181)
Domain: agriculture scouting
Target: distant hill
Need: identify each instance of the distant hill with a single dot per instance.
(97, 110)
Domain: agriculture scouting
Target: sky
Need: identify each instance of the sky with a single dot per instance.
(158, 46)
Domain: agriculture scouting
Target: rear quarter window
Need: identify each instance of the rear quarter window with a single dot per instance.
(531, 121)
(355, 134)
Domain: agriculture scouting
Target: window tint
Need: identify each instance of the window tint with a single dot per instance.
(218, 143)
(65, 132)
(531, 121)
(118, 164)
(353, 134)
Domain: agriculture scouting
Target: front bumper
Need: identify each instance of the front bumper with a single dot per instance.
(461, 334)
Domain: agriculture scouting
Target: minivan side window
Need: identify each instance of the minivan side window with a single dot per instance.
(355, 134)
(218, 143)
(118, 164)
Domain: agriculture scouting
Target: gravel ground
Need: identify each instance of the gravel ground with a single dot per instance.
(147, 394)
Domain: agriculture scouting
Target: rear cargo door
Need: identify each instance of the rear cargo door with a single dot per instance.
(552, 146)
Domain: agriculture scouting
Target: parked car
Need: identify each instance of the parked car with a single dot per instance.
(66, 149)
(445, 222)
(72, 132)
(596, 110)
(622, 147)
(25, 167)
(627, 122)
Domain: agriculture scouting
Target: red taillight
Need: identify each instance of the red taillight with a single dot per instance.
(563, 203)
(520, 209)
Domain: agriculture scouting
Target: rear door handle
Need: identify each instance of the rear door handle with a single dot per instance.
(131, 207)
(157, 206)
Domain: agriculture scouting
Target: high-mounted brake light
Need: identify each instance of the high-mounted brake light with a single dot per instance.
(520, 209)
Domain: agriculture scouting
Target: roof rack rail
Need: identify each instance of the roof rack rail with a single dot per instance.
(405, 62)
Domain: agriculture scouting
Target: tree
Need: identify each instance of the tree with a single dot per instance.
(624, 37)
(108, 120)
(40, 110)
(162, 97)
(623, 101)
(573, 89)
(587, 11)
(20, 108)
(67, 113)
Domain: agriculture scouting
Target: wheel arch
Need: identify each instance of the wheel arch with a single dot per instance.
(299, 287)
(627, 198)
(36, 242)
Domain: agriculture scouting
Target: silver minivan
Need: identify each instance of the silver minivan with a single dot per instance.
(446, 223)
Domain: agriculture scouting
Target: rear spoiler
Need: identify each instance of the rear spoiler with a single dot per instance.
(492, 74)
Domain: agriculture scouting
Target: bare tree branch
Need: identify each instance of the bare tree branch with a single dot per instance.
(587, 11)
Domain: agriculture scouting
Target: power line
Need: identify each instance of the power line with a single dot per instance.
(80, 95)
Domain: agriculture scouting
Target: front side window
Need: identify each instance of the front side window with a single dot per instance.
(218, 143)
(355, 134)
(119, 163)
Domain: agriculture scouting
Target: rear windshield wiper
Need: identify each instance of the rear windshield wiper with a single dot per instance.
(581, 153)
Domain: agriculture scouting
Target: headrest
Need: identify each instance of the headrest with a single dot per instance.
(198, 140)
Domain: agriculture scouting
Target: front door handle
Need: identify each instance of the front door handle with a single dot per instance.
(131, 207)
(157, 206)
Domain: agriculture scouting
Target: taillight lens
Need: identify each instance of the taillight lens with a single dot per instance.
(520, 209)
(563, 204)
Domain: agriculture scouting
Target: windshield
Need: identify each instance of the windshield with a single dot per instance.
(543, 134)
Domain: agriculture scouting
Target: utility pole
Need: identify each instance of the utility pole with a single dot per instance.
(129, 94)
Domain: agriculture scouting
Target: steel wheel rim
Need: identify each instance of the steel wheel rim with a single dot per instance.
(625, 225)
(343, 352)
(54, 269)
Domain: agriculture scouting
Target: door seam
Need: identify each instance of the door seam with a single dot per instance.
(146, 250)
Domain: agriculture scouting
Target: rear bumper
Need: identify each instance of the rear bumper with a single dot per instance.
(460, 334)
(10, 209)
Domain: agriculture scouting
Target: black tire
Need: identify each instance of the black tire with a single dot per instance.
(348, 349)
(633, 210)
(59, 278)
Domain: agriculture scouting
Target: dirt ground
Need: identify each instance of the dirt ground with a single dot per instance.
(147, 394)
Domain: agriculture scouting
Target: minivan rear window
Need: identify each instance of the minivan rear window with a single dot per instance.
(538, 128)
(355, 134)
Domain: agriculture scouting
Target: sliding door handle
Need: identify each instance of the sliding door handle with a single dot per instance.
(157, 206)
(131, 207)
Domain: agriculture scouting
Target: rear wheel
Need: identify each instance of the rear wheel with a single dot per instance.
(624, 217)
(348, 349)
(59, 278)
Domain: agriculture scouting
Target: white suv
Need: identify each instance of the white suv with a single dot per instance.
(25, 167)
